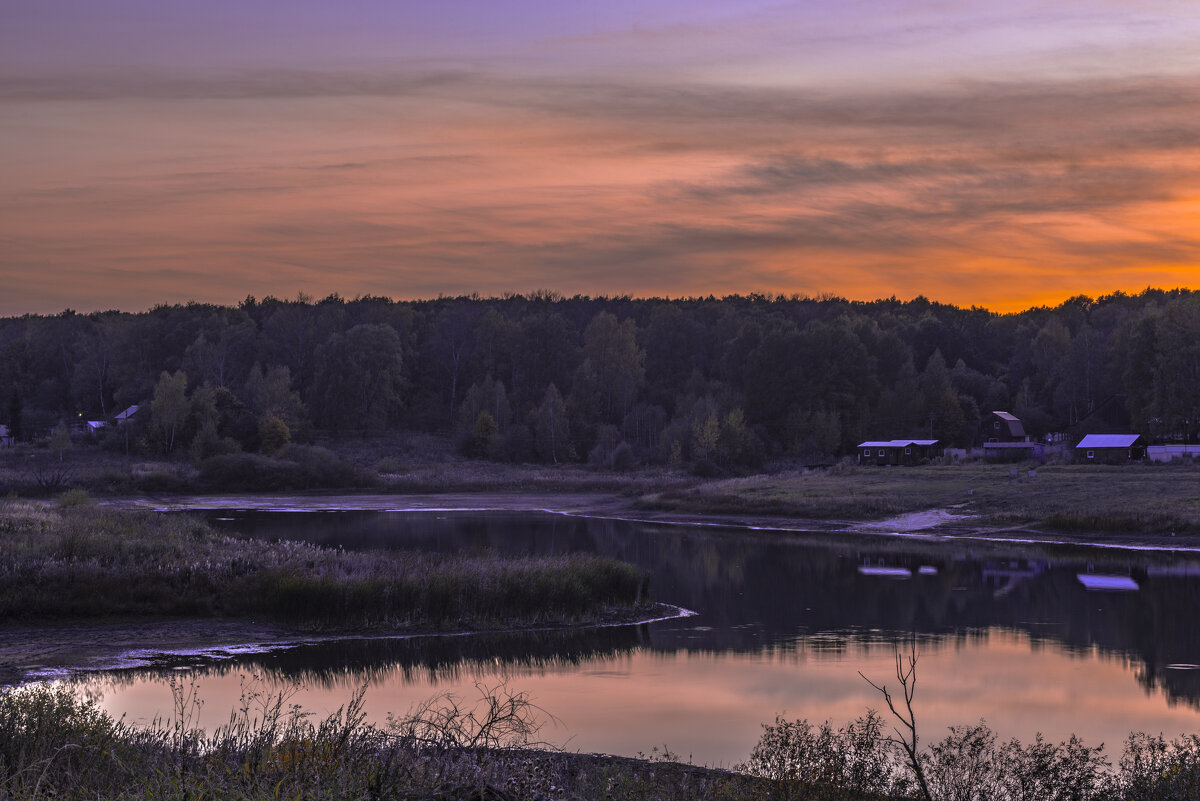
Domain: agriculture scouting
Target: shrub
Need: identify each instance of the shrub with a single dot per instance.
(249, 472)
(273, 433)
(75, 497)
(1153, 769)
(803, 760)
(170, 480)
(50, 738)
(622, 458)
(294, 467)
(389, 466)
(321, 467)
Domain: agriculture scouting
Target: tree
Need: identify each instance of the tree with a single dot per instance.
(270, 394)
(96, 345)
(60, 440)
(706, 431)
(450, 346)
(483, 433)
(943, 410)
(15, 429)
(552, 431)
(359, 379)
(170, 407)
(273, 433)
(1177, 382)
(612, 370)
(219, 353)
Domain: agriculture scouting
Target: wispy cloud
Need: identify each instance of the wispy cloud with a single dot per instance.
(418, 182)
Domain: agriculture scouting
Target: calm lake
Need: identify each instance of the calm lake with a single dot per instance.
(1033, 639)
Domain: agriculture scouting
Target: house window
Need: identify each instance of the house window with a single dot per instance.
(996, 425)
(866, 451)
(907, 451)
(1091, 454)
(881, 451)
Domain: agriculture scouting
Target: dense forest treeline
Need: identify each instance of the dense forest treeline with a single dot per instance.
(721, 382)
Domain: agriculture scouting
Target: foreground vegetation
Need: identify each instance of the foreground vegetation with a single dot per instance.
(56, 745)
(78, 561)
(1128, 499)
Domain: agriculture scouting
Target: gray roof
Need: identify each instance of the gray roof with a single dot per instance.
(1107, 441)
(1006, 416)
(897, 443)
(130, 412)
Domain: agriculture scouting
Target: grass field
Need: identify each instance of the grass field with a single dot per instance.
(1136, 499)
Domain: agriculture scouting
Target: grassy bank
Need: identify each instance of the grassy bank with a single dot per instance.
(1138, 499)
(82, 561)
(56, 745)
(391, 463)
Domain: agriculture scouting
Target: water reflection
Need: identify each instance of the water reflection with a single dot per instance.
(753, 591)
(783, 624)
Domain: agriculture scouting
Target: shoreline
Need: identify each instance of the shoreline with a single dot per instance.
(67, 649)
(936, 524)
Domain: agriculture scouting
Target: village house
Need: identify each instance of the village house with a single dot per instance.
(1004, 439)
(899, 452)
(1002, 427)
(1109, 448)
(128, 415)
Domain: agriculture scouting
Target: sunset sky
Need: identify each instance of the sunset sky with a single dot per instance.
(999, 154)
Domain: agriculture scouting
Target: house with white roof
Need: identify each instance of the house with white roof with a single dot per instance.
(1109, 448)
(898, 451)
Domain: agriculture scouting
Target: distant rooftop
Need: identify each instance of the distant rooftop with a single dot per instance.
(898, 443)
(1107, 441)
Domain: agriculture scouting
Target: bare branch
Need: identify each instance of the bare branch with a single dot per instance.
(906, 674)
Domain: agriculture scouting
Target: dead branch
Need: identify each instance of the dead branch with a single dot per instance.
(906, 674)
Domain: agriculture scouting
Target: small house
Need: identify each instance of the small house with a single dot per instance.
(1002, 427)
(1109, 448)
(898, 451)
(1004, 439)
(129, 415)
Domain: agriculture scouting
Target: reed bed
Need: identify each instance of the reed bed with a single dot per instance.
(81, 561)
(54, 744)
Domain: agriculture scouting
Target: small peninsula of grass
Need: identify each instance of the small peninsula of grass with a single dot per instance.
(79, 562)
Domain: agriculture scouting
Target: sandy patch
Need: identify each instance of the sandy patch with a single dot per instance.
(915, 521)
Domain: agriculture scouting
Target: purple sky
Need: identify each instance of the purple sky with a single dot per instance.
(999, 154)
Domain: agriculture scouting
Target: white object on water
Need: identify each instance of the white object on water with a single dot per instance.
(927, 570)
(1097, 581)
(887, 572)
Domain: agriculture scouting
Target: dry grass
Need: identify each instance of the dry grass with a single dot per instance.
(80, 561)
(1136, 498)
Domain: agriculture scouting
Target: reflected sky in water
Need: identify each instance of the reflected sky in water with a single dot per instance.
(784, 624)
